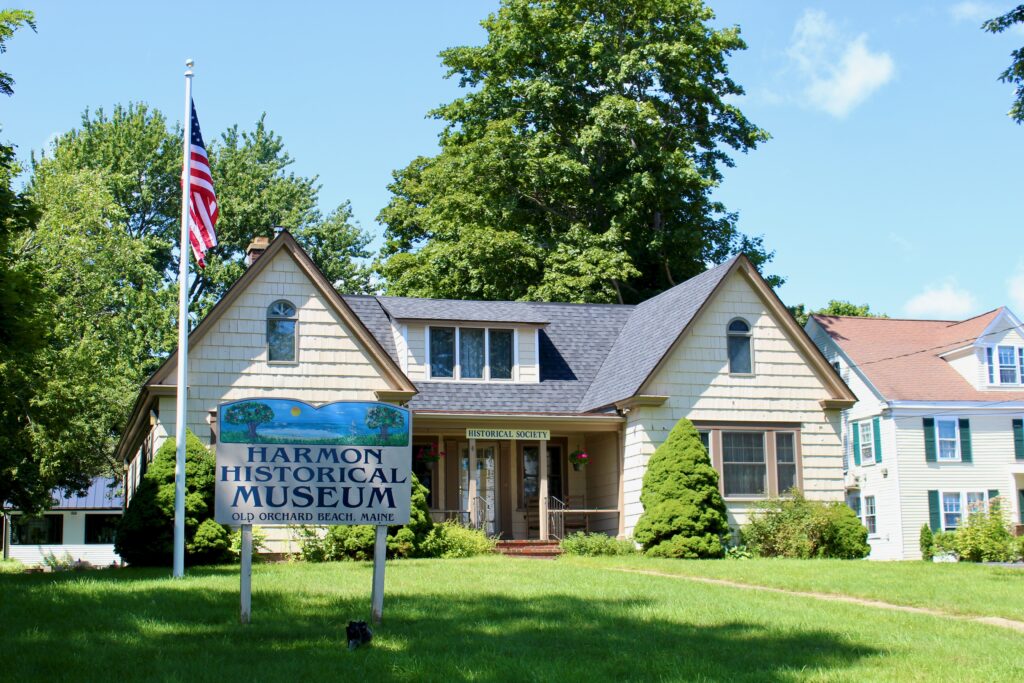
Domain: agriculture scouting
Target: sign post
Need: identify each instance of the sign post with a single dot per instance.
(380, 548)
(281, 461)
(246, 587)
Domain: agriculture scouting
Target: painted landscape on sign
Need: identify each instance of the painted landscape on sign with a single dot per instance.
(286, 421)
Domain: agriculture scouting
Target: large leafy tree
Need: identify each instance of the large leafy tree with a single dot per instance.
(581, 164)
(51, 383)
(1014, 74)
(137, 154)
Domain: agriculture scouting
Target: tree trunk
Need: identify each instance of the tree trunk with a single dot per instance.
(252, 430)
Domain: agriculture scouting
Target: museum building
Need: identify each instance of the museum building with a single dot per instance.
(530, 419)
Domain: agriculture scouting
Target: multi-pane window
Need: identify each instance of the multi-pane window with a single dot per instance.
(1007, 364)
(951, 510)
(705, 439)
(500, 343)
(101, 528)
(738, 346)
(743, 462)
(869, 515)
(785, 460)
(867, 442)
(471, 353)
(281, 331)
(957, 504)
(442, 352)
(947, 438)
(44, 530)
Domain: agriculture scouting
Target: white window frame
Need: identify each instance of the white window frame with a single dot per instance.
(295, 335)
(994, 366)
(457, 359)
(868, 441)
(1015, 365)
(956, 439)
(873, 514)
(749, 336)
(964, 510)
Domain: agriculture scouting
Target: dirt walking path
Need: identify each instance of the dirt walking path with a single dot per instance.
(833, 597)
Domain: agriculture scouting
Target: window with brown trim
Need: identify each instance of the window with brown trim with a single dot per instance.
(759, 460)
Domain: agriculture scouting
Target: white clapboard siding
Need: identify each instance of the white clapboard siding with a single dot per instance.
(98, 555)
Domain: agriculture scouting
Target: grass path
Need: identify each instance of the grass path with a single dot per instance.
(834, 597)
(962, 588)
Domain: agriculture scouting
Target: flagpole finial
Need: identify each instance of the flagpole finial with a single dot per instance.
(189, 63)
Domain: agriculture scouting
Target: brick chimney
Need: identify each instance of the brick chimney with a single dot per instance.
(256, 249)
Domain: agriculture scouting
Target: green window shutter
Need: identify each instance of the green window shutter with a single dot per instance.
(992, 495)
(929, 440)
(1020, 506)
(965, 440)
(876, 423)
(856, 442)
(934, 511)
(1018, 439)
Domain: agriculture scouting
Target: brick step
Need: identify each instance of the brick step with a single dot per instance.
(529, 548)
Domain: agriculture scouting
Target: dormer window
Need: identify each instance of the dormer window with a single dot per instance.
(738, 335)
(1005, 364)
(282, 333)
(471, 353)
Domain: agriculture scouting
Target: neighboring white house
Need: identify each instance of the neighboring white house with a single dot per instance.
(937, 429)
(719, 349)
(81, 527)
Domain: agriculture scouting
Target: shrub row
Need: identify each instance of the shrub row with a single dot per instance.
(596, 544)
(983, 537)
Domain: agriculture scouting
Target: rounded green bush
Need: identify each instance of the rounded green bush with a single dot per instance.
(799, 528)
(684, 514)
(450, 540)
(145, 534)
(596, 544)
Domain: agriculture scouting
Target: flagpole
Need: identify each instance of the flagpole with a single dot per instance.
(182, 389)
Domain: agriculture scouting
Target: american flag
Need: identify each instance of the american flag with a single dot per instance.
(202, 201)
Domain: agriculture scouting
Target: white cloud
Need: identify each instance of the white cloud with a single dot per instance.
(942, 301)
(1015, 283)
(973, 11)
(841, 73)
(976, 13)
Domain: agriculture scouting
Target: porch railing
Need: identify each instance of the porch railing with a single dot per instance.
(556, 518)
(480, 514)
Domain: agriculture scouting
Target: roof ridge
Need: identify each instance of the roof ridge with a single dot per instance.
(887, 318)
(967, 320)
(493, 301)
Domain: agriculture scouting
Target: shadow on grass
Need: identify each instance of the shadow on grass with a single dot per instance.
(103, 629)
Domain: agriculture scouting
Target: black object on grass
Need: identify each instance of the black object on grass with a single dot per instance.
(358, 634)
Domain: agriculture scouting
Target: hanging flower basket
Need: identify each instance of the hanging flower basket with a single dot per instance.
(579, 458)
(429, 453)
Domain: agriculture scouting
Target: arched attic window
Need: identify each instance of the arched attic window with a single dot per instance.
(282, 332)
(739, 335)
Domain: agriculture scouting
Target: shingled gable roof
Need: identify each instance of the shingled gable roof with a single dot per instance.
(903, 358)
(164, 379)
(165, 374)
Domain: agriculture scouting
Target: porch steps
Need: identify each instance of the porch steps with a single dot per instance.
(530, 549)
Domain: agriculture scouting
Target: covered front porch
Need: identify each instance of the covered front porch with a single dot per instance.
(513, 475)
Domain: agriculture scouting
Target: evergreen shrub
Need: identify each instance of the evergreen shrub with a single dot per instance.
(145, 535)
(355, 542)
(927, 543)
(985, 536)
(596, 544)
(684, 514)
(799, 528)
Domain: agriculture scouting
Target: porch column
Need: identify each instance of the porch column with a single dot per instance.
(439, 485)
(471, 477)
(542, 471)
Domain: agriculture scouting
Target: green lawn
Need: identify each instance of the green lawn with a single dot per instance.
(486, 619)
(960, 588)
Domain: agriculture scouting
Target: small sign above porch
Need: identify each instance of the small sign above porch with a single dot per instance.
(499, 434)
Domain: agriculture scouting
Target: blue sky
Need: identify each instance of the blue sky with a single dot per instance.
(893, 176)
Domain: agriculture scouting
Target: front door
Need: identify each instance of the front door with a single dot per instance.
(486, 478)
